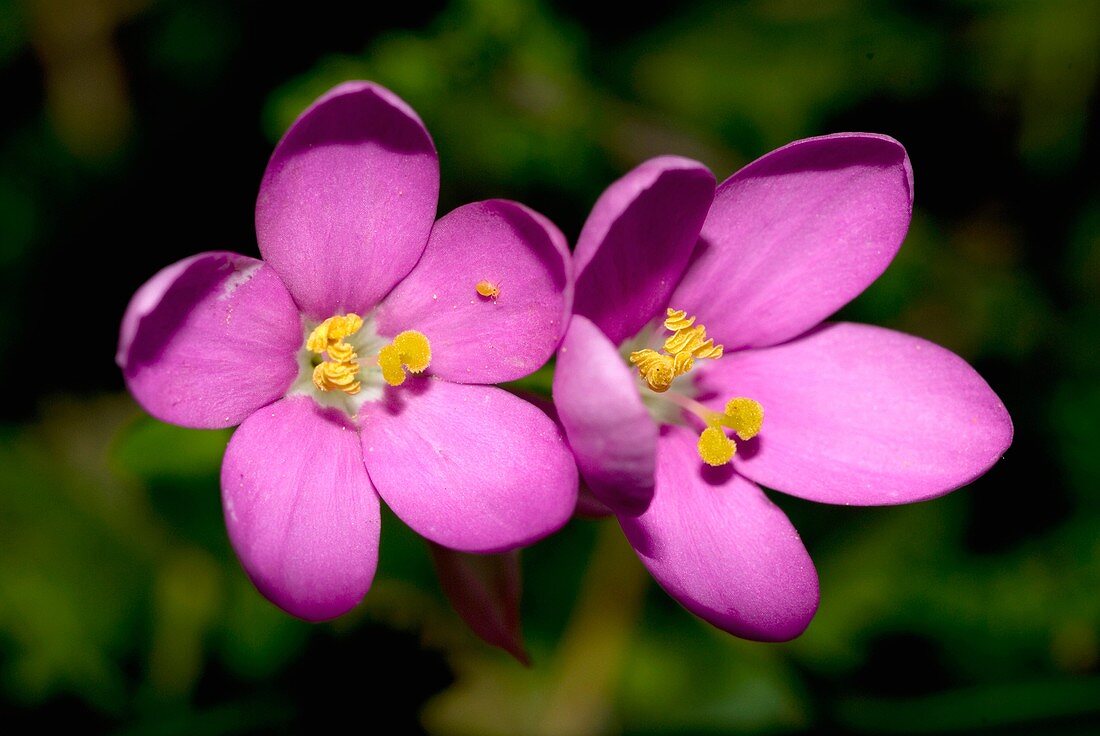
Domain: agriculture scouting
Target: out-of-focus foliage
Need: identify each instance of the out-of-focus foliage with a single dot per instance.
(135, 133)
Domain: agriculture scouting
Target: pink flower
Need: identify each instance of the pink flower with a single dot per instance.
(674, 432)
(357, 358)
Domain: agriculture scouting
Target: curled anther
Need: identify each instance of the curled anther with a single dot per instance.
(339, 369)
(688, 343)
(656, 369)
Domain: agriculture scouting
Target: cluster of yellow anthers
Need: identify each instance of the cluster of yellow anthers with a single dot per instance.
(743, 416)
(339, 369)
(687, 343)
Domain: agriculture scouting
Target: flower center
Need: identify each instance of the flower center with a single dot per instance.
(346, 363)
(688, 343)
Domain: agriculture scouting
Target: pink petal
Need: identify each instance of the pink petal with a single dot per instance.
(717, 545)
(795, 235)
(485, 592)
(209, 340)
(588, 506)
(486, 339)
(472, 468)
(300, 509)
(146, 299)
(610, 431)
(636, 243)
(855, 414)
(348, 199)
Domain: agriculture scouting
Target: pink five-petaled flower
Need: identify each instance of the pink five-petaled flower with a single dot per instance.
(673, 434)
(315, 351)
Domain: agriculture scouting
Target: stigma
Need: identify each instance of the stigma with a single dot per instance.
(688, 343)
(410, 351)
(339, 366)
(744, 416)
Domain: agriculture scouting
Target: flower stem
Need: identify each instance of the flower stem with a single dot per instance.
(589, 662)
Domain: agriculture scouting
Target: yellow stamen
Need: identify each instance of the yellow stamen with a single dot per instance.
(744, 416)
(688, 343)
(688, 339)
(339, 370)
(410, 350)
(333, 331)
(656, 369)
(341, 352)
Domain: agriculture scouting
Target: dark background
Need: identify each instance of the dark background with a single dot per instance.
(135, 132)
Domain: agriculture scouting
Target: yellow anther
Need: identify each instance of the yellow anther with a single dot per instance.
(688, 343)
(339, 370)
(715, 448)
(677, 319)
(410, 350)
(656, 369)
(688, 339)
(332, 331)
(337, 377)
(682, 363)
(341, 352)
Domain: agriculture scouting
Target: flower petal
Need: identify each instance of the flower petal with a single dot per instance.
(209, 340)
(348, 199)
(610, 431)
(717, 545)
(636, 243)
(473, 468)
(300, 509)
(588, 506)
(486, 339)
(795, 235)
(485, 591)
(855, 414)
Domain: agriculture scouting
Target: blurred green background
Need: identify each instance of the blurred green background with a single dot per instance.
(135, 133)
